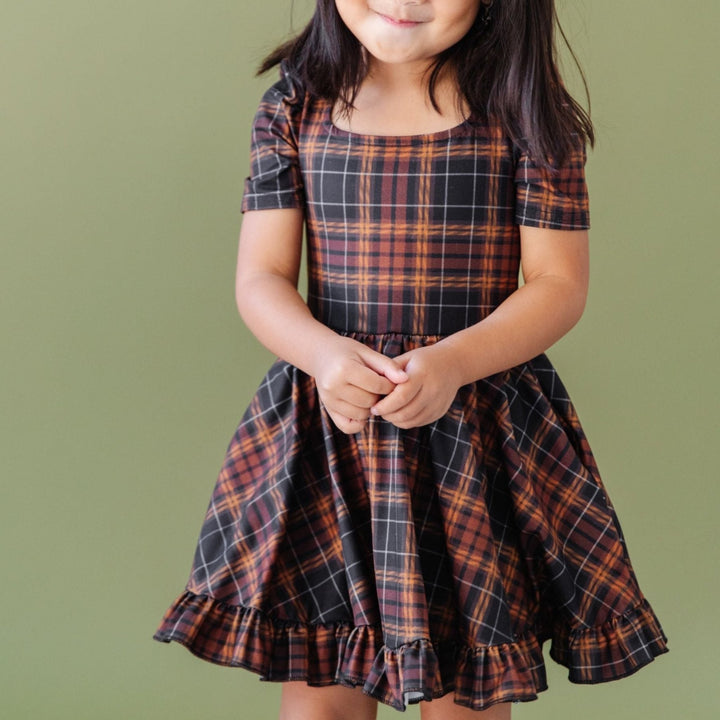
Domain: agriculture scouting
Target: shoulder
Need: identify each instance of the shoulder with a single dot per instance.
(284, 106)
(286, 89)
(285, 94)
(573, 162)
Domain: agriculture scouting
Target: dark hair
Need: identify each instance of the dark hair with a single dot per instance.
(506, 68)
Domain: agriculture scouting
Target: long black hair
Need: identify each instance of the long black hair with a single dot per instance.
(506, 68)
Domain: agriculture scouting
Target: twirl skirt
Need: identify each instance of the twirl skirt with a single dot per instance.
(415, 563)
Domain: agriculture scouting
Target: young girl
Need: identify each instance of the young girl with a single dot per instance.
(409, 505)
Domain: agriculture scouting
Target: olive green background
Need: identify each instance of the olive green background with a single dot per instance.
(124, 368)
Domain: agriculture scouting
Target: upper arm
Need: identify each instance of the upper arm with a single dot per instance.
(275, 179)
(270, 243)
(274, 196)
(559, 253)
(552, 210)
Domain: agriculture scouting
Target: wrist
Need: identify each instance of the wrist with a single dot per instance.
(451, 363)
(320, 346)
(471, 353)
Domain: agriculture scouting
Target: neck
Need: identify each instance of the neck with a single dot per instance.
(393, 102)
(399, 85)
(393, 77)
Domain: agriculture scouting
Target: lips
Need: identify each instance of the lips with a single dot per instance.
(398, 22)
(395, 15)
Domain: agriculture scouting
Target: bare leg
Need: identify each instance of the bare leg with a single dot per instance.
(335, 702)
(445, 709)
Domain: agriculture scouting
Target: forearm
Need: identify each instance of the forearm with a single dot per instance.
(278, 316)
(526, 324)
(350, 378)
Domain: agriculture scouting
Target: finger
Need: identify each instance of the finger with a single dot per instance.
(412, 415)
(347, 425)
(398, 399)
(368, 380)
(350, 427)
(384, 366)
(408, 423)
(338, 377)
(358, 396)
(414, 408)
(347, 410)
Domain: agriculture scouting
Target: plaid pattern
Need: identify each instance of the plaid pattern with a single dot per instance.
(412, 563)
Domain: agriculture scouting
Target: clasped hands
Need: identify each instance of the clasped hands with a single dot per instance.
(355, 382)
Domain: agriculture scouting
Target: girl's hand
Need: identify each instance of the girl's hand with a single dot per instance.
(427, 395)
(351, 378)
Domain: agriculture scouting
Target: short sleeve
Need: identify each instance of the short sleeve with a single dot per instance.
(275, 179)
(556, 199)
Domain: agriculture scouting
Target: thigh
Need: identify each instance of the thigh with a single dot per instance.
(445, 709)
(299, 701)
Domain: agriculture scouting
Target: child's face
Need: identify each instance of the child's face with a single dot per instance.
(406, 32)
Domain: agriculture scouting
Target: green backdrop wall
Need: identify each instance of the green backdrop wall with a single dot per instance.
(125, 128)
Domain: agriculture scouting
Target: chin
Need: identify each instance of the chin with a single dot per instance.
(395, 56)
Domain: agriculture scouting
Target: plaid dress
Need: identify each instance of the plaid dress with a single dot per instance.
(417, 562)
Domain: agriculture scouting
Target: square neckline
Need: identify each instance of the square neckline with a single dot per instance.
(460, 128)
